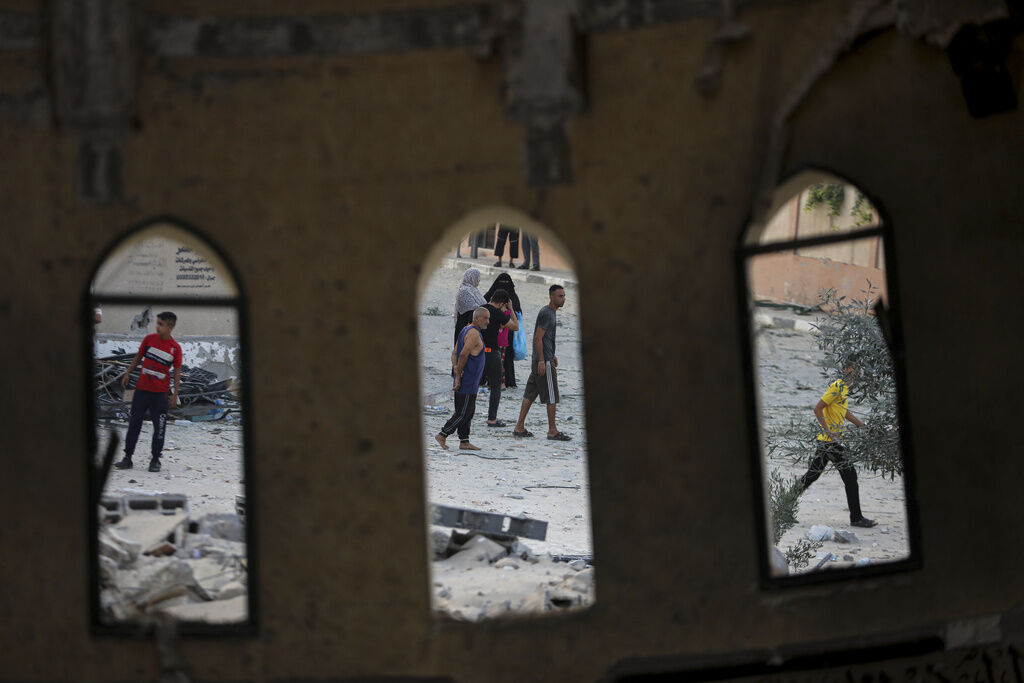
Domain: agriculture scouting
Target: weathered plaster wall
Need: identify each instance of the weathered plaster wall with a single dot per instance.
(303, 168)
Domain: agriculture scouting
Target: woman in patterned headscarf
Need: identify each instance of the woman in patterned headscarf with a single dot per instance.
(467, 299)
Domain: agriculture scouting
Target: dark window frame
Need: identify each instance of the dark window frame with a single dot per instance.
(743, 253)
(96, 476)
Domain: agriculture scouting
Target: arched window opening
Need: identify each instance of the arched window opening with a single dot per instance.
(170, 476)
(506, 463)
(826, 401)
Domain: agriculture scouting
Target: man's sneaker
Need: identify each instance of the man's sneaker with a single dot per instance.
(125, 464)
(864, 523)
(154, 465)
(536, 266)
(525, 266)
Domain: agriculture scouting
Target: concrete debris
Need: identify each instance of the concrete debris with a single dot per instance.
(439, 543)
(154, 562)
(226, 526)
(230, 611)
(845, 537)
(820, 532)
(483, 578)
(780, 565)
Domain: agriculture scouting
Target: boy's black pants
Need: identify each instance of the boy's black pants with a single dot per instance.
(823, 453)
(155, 403)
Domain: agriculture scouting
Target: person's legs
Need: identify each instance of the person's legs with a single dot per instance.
(492, 368)
(849, 474)
(549, 396)
(509, 367)
(499, 245)
(535, 249)
(526, 241)
(135, 417)
(817, 464)
(465, 424)
(158, 413)
(523, 410)
(453, 422)
(529, 394)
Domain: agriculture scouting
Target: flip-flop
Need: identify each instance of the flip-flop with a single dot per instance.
(559, 437)
(522, 434)
(499, 423)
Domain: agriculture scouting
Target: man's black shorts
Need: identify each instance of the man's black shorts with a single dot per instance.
(545, 386)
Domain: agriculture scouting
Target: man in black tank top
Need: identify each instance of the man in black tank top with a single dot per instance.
(467, 368)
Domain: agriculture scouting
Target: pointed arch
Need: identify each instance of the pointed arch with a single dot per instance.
(533, 508)
(817, 282)
(164, 265)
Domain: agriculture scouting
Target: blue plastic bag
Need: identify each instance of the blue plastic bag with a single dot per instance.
(519, 340)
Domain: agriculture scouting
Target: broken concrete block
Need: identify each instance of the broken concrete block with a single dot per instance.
(157, 580)
(108, 570)
(578, 565)
(217, 612)
(127, 544)
(226, 526)
(481, 548)
(231, 589)
(148, 530)
(845, 536)
(439, 541)
(820, 532)
(114, 552)
(204, 545)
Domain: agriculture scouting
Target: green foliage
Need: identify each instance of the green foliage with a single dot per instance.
(784, 500)
(830, 194)
(862, 211)
(833, 195)
(799, 555)
(850, 332)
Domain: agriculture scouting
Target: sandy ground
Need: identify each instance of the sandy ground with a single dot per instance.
(202, 460)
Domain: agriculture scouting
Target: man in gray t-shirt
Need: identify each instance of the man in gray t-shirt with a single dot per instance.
(543, 380)
(546, 321)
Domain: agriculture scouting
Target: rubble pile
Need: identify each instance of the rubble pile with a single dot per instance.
(202, 395)
(477, 577)
(155, 558)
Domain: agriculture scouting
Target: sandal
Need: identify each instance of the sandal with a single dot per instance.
(560, 436)
(499, 423)
(522, 434)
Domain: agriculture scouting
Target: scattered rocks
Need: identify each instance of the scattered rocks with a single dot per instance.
(467, 588)
(149, 562)
(845, 537)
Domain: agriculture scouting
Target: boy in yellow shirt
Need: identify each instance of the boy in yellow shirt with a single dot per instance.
(832, 415)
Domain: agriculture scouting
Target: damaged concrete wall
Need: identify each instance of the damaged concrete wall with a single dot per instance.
(327, 178)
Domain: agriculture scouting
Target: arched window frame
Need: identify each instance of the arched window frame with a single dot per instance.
(747, 249)
(96, 476)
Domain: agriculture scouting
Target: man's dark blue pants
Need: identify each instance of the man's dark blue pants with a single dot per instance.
(155, 403)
